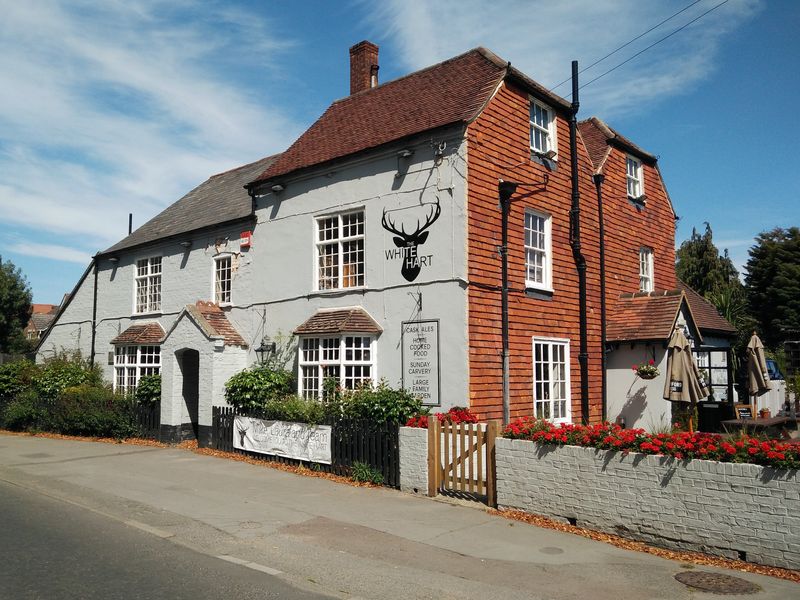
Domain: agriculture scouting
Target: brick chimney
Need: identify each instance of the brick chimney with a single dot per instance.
(363, 66)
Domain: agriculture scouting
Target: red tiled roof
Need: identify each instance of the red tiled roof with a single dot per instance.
(644, 316)
(706, 315)
(454, 91)
(598, 132)
(345, 320)
(218, 322)
(43, 309)
(146, 333)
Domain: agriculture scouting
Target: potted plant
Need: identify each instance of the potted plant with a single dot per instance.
(647, 370)
(764, 413)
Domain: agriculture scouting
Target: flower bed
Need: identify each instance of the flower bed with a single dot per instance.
(681, 445)
(453, 416)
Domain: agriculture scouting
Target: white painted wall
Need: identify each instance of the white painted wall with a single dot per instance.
(640, 401)
(274, 280)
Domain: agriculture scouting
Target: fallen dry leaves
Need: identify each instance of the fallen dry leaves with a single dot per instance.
(697, 558)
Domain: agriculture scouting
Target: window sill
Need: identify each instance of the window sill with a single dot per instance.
(155, 313)
(332, 291)
(551, 164)
(640, 203)
(539, 293)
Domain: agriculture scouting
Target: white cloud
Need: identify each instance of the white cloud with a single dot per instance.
(118, 107)
(542, 37)
(50, 251)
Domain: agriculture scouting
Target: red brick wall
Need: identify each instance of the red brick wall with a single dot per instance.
(498, 148)
(627, 229)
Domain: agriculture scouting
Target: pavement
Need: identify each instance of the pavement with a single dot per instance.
(337, 540)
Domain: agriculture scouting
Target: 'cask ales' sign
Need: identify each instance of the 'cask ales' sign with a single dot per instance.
(420, 356)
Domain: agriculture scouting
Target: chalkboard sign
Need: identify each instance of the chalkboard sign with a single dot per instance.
(743, 411)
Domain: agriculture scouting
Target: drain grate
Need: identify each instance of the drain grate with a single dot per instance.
(716, 583)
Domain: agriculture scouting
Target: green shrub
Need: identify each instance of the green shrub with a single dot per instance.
(93, 411)
(380, 404)
(295, 409)
(64, 371)
(365, 473)
(149, 389)
(252, 388)
(15, 377)
(25, 412)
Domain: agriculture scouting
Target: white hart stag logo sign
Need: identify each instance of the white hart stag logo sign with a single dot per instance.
(407, 243)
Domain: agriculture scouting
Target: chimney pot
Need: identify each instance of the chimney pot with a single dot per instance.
(363, 66)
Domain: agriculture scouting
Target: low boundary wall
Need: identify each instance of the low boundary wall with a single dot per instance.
(733, 510)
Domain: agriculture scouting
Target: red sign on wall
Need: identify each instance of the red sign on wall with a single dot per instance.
(245, 238)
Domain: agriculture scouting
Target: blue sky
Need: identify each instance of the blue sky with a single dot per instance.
(123, 106)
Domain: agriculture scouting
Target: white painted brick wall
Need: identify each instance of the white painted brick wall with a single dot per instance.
(414, 460)
(719, 508)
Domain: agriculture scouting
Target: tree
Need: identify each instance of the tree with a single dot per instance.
(15, 308)
(699, 265)
(772, 284)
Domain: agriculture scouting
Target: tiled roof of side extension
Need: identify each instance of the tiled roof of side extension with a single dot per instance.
(221, 198)
(217, 322)
(597, 135)
(145, 333)
(454, 91)
(336, 321)
(42, 321)
(706, 315)
(644, 316)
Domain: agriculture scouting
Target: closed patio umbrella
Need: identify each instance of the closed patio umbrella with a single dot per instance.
(757, 375)
(683, 382)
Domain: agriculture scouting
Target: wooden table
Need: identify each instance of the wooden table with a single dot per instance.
(773, 427)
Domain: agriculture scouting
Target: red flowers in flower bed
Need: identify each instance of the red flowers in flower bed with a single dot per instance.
(455, 415)
(681, 445)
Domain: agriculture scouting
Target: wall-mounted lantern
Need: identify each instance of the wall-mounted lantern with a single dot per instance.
(266, 350)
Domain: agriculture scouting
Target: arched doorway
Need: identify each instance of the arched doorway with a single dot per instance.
(189, 366)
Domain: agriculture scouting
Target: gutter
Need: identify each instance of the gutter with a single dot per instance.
(575, 242)
(598, 180)
(94, 313)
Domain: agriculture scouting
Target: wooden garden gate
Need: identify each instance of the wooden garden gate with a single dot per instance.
(461, 460)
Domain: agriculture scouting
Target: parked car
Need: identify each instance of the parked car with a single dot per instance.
(774, 370)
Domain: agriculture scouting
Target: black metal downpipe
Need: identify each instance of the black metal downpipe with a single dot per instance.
(505, 190)
(598, 179)
(575, 242)
(94, 314)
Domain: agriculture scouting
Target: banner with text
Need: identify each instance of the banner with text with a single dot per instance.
(281, 438)
(420, 350)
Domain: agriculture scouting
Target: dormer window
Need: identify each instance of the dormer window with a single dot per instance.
(543, 130)
(635, 178)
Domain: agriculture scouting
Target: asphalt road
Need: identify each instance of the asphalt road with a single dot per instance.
(53, 550)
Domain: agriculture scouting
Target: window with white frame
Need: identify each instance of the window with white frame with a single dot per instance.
(148, 285)
(543, 128)
(131, 363)
(222, 279)
(551, 388)
(538, 255)
(645, 269)
(348, 359)
(340, 251)
(635, 177)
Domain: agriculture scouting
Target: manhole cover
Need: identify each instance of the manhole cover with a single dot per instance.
(716, 583)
